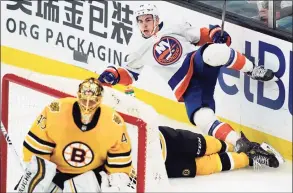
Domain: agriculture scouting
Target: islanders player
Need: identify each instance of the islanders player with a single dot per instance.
(72, 140)
(190, 72)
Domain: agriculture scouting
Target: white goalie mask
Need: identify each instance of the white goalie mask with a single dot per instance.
(148, 9)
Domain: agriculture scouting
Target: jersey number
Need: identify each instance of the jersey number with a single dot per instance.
(41, 122)
(124, 139)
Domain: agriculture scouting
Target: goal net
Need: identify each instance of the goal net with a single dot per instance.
(21, 102)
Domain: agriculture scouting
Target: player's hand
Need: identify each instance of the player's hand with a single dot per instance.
(215, 35)
(110, 76)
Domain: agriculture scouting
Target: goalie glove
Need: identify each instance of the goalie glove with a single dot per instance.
(116, 182)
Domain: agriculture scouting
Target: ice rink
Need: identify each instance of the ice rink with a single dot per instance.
(26, 104)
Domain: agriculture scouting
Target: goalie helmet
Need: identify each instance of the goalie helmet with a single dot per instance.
(146, 9)
(90, 93)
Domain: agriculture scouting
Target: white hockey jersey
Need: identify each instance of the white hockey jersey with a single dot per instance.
(165, 52)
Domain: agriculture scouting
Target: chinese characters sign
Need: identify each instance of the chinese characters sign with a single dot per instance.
(74, 12)
(75, 25)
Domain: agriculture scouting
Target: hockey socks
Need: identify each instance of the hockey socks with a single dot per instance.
(214, 145)
(223, 131)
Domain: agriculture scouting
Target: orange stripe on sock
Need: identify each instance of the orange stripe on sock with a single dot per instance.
(223, 131)
(240, 62)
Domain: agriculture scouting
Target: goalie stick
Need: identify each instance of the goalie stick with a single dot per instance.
(11, 146)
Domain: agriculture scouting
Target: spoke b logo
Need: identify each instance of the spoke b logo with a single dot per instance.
(78, 154)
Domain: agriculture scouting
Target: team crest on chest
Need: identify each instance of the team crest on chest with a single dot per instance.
(167, 51)
(78, 154)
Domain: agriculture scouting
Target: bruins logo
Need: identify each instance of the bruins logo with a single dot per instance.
(186, 172)
(117, 119)
(54, 106)
(78, 154)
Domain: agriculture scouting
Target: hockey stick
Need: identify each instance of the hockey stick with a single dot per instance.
(223, 17)
(10, 144)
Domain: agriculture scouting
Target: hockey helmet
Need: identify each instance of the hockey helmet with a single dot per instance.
(90, 93)
(146, 9)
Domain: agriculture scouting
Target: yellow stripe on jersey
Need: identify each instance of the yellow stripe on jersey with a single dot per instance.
(37, 145)
(40, 175)
(40, 147)
(119, 160)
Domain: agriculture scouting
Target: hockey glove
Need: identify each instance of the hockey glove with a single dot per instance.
(215, 35)
(110, 76)
(116, 182)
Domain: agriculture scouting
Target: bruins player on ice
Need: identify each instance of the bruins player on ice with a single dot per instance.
(72, 140)
(188, 154)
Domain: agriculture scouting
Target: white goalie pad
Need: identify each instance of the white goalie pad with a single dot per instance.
(86, 182)
(38, 176)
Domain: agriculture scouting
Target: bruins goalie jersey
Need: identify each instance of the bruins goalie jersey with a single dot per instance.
(59, 135)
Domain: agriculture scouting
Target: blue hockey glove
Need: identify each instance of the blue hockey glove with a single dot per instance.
(215, 35)
(110, 76)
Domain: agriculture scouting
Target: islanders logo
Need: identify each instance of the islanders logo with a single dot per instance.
(167, 51)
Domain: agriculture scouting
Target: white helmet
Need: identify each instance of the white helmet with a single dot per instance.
(146, 9)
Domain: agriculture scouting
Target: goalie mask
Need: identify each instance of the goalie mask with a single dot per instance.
(89, 95)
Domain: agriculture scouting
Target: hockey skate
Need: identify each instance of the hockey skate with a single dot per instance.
(262, 74)
(244, 145)
(258, 157)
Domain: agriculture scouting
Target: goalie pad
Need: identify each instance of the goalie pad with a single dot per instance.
(38, 175)
(86, 182)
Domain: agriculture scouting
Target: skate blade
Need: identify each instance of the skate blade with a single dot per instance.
(270, 149)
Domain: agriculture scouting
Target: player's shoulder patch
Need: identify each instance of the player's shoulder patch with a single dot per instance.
(55, 106)
(117, 119)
